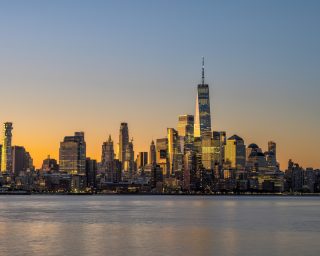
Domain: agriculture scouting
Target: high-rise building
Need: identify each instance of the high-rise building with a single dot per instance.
(0, 155)
(219, 142)
(72, 154)
(202, 122)
(272, 147)
(186, 131)
(152, 154)
(123, 142)
(162, 154)
(207, 150)
(142, 160)
(107, 152)
(111, 166)
(128, 166)
(50, 165)
(91, 172)
(252, 148)
(6, 156)
(235, 152)
(173, 150)
(19, 160)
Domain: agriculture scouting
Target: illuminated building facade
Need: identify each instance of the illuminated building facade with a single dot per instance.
(207, 151)
(142, 160)
(162, 154)
(202, 122)
(6, 155)
(107, 152)
(235, 152)
(123, 142)
(219, 142)
(152, 154)
(173, 150)
(186, 131)
(72, 154)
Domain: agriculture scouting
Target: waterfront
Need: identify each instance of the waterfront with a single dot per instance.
(159, 225)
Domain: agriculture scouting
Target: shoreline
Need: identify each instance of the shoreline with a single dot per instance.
(26, 193)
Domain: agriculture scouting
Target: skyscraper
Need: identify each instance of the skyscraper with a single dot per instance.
(142, 160)
(72, 154)
(123, 142)
(152, 154)
(202, 122)
(21, 160)
(173, 150)
(207, 151)
(162, 154)
(235, 152)
(107, 152)
(128, 165)
(6, 156)
(186, 131)
(219, 142)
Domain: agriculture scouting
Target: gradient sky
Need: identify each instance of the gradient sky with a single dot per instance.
(70, 66)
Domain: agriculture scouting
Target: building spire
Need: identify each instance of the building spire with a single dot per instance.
(202, 70)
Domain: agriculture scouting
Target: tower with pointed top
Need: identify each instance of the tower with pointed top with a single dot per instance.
(152, 153)
(202, 121)
(107, 152)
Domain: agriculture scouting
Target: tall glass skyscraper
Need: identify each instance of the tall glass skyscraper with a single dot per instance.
(72, 154)
(6, 154)
(202, 121)
(123, 142)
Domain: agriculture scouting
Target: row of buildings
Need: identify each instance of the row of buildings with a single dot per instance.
(190, 158)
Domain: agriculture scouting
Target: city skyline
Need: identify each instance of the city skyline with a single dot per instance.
(97, 154)
(60, 77)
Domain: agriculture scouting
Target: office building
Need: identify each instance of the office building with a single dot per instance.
(123, 142)
(162, 154)
(202, 122)
(207, 150)
(235, 152)
(219, 142)
(142, 160)
(6, 155)
(152, 154)
(186, 132)
(72, 154)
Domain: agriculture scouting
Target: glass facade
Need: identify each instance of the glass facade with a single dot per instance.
(72, 154)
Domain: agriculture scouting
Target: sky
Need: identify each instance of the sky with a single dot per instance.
(69, 66)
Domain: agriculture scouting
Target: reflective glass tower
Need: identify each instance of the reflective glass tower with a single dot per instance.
(202, 121)
(72, 154)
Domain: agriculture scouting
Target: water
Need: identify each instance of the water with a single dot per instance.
(159, 225)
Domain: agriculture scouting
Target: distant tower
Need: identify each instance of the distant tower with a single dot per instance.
(107, 151)
(129, 159)
(272, 147)
(202, 122)
(235, 152)
(123, 142)
(186, 131)
(152, 153)
(6, 155)
(72, 154)
(173, 150)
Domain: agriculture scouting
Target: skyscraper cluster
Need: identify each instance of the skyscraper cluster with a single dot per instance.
(14, 160)
(190, 158)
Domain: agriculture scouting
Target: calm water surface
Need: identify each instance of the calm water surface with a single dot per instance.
(159, 225)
